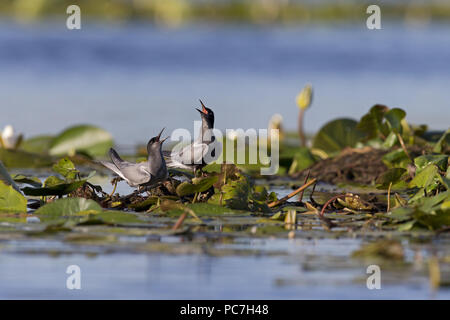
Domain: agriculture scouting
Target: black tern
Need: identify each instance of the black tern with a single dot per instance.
(143, 174)
(192, 156)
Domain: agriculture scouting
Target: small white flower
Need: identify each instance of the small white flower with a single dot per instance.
(232, 134)
(9, 139)
(275, 121)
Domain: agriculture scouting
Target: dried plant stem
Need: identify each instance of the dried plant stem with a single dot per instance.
(389, 197)
(114, 189)
(292, 194)
(179, 221)
(301, 132)
(402, 143)
(300, 197)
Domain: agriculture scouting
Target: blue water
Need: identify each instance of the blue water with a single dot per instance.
(135, 79)
(307, 269)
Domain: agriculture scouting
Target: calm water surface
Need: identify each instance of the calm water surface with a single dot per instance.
(134, 79)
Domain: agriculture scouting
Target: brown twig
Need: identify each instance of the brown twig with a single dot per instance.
(300, 197)
(389, 198)
(301, 132)
(402, 143)
(292, 194)
(183, 216)
(179, 221)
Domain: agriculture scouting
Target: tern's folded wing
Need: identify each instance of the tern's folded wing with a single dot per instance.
(136, 173)
(191, 154)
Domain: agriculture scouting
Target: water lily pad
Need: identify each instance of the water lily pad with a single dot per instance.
(392, 175)
(336, 135)
(441, 161)
(39, 144)
(22, 159)
(83, 138)
(56, 189)
(11, 200)
(426, 178)
(197, 185)
(66, 168)
(69, 207)
(301, 160)
(372, 122)
(394, 117)
(118, 217)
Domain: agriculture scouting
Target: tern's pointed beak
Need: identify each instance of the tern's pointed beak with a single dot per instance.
(162, 141)
(204, 111)
(159, 135)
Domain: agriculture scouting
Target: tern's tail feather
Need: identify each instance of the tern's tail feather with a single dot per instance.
(112, 167)
(116, 159)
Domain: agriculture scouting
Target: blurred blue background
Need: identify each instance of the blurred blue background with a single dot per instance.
(133, 75)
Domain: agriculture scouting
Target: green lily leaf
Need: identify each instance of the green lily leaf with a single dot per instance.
(390, 141)
(23, 159)
(11, 200)
(441, 161)
(393, 176)
(302, 159)
(197, 185)
(372, 122)
(116, 217)
(336, 135)
(396, 158)
(66, 168)
(83, 138)
(54, 186)
(236, 193)
(427, 178)
(53, 181)
(394, 118)
(38, 145)
(67, 207)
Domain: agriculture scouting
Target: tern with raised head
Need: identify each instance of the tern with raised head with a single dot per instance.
(192, 156)
(142, 174)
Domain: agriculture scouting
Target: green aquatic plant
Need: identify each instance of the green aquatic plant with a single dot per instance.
(11, 200)
(337, 135)
(304, 100)
(54, 186)
(86, 139)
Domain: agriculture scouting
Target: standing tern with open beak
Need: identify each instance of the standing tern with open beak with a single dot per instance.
(143, 174)
(192, 156)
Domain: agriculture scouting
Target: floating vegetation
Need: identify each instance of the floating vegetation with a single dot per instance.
(389, 180)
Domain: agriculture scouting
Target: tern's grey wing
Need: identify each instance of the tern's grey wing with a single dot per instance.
(191, 154)
(112, 167)
(135, 173)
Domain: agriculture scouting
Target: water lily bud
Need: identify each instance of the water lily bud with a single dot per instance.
(275, 121)
(305, 96)
(232, 135)
(275, 124)
(10, 140)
